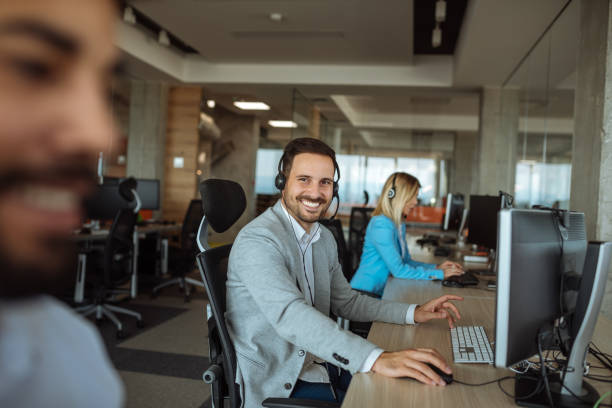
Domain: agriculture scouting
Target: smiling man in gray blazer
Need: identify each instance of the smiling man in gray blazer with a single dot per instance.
(284, 278)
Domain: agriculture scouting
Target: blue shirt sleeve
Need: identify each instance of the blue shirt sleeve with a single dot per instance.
(383, 240)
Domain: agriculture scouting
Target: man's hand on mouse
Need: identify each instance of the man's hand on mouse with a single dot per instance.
(438, 308)
(412, 363)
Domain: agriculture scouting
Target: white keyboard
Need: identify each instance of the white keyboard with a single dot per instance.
(471, 345)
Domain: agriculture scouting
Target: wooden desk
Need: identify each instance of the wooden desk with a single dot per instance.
(140, 231)
(478, 308)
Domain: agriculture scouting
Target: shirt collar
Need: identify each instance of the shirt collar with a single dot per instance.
(302, 236)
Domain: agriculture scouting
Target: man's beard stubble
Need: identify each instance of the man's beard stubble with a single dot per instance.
(20, 279)
(324, 207)
(47, 274)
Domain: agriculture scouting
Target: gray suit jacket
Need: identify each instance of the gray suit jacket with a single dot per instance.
(270, 322)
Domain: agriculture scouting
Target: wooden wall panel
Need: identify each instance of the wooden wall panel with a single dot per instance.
(182, 140)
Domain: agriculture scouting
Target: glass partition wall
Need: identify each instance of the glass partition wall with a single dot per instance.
(365, 157)
(545, 81)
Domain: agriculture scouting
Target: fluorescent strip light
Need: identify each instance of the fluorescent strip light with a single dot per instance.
(282, 123)
(251, 105)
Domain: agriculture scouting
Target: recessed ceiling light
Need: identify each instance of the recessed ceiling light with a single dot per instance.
(129, 16)
(436, 36)
(276, 17)
(210, 103)
(251, 105)
(282, 123)
(163, 38)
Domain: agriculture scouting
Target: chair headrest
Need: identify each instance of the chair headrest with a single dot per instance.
(126, 186)
(223, 202)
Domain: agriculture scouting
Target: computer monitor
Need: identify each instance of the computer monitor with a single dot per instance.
(105, 201)
(482, 222)
(535, 251)
(454, 211)
(148, 192)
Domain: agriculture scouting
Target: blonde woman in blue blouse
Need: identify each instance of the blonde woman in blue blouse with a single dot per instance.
(385, 251)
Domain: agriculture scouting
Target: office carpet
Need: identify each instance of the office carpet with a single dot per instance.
(161, 364)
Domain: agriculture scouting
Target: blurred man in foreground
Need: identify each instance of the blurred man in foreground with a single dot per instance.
(56, 65)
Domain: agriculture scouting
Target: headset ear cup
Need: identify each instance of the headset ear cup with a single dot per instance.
(391, 193)
(280, 181)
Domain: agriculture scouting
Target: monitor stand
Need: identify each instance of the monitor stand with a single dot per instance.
(526, 385)
(564, 389)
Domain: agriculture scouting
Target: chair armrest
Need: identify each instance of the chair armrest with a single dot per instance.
(297, 403)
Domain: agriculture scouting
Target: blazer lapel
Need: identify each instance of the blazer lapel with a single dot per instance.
(322, 279)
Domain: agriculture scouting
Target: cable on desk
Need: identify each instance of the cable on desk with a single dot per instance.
(484, 383)
(598, 403)
(604, 358)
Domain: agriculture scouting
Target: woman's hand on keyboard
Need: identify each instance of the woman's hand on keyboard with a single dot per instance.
(412, 363)
(451, 269)
(438, 308)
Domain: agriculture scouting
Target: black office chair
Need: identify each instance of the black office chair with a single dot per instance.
(360, 217)
(115, 265)
(182, 259)
(224, 202)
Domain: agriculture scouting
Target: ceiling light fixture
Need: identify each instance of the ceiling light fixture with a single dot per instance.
(440, 11)
(282, 123)
(210, 103)
(436, 36)
(276, 17)
(129, 16)
(163, 38)
(251, 105)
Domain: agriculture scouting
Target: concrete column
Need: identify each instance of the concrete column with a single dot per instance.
(234, 157)
(314, 124)
(147, 130)
(591, 189)
(464, 166)
(337, 144)
(499, 114)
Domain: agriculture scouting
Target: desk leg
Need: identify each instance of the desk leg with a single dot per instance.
(134, 282)
(79, 288)
(164, 256)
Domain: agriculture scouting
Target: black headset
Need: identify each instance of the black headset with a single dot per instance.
(281, 180)
(391, 192)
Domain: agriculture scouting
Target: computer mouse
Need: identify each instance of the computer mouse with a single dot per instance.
(447, 378)
(452, 283)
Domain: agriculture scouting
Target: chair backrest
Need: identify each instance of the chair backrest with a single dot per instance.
(360, 217)
(335, 226)
(119, 247)
(223, 202)
(190, 227)
(213, 268)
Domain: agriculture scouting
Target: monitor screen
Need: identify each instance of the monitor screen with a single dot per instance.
(454, 212)
(529, 265)
(105, 201)
(148, 191)
(482, 221)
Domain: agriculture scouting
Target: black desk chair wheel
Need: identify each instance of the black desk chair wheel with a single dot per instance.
(223, 203)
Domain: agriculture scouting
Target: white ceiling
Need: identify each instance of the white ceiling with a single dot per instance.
(312, 31)
(356, 57)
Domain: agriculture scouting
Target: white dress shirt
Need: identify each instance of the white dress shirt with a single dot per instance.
(313, 371)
